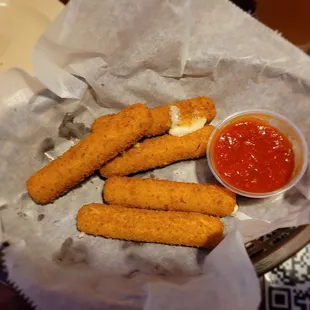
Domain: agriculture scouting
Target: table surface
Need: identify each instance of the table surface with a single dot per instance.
(10, 300)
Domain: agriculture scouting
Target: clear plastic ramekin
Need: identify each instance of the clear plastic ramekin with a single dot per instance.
(286, 127)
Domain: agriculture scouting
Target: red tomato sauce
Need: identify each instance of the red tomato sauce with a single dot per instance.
(253, 156)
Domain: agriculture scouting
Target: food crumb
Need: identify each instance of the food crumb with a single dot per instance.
(81, 235)
(91, 181)
(137, 145)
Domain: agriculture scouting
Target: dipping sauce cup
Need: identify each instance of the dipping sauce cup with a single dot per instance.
(257, 153)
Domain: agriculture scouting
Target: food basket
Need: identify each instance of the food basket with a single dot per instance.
(240, 70)
(272, 249)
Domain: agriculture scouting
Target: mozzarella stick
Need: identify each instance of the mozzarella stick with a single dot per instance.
(80, 161)
(188, 110)
(178, 228)
(169, 195)
(158, 152)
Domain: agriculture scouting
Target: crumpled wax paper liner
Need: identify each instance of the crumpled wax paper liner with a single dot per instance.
(47, 260)
(157, 52)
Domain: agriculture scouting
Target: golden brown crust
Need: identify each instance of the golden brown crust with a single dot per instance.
(179, 228)
(161, 121)
(161, 118)
(159, 152)
(169, 195)
(80, 161)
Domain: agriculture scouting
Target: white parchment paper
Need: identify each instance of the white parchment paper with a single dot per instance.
(154, 51)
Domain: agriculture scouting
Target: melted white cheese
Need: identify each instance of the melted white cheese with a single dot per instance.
(235, 210)
(178, 129)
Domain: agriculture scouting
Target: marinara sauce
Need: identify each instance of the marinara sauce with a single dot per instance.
(253, 156)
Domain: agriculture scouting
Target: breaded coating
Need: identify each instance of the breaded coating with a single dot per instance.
(80, 161)
(159, 152)
(169, 195)
(178, 228)
(195, 107)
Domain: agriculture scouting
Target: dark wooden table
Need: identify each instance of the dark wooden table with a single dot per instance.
(10, 300)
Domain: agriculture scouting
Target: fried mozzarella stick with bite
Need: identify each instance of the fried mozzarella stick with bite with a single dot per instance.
(167, 195)
(80, 161)
(185, 113)
(158, 152)
(178, 228)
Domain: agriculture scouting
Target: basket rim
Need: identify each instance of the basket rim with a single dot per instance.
(277, 254)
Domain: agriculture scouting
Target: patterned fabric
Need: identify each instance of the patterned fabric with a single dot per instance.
(287, 287)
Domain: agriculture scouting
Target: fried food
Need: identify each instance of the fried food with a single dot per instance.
(179, 228)
(169, 195)
(80, 161)
(159, 152)
(188, 110)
